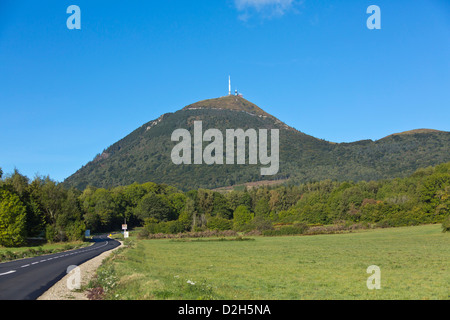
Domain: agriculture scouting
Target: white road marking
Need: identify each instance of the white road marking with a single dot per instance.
(51, 258)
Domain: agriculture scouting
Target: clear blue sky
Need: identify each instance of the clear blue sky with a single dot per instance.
(65, 95)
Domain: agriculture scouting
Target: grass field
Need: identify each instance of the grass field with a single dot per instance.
(414, 263)
(7, 254)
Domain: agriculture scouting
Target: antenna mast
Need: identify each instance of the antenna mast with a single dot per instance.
(229, 85)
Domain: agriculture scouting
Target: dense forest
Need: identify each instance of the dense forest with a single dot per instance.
(43, 208)
(145, 154)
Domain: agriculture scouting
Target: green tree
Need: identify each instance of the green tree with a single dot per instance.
(75, 230)
(446, 225)
(237, 198)
(178, 201)
(262, 208)
(19, 183)
(21, 186)
(205, 201)
(134, 193)
(221, 207)
(51, 196)
(105, 209)
(154, 206)
(219, 223)
(242, 216)
(12, 220)
(186, 217)
(432, 190)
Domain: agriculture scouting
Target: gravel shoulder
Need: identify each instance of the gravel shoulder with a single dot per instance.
(60, 290)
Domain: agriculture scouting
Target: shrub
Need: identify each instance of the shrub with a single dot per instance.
(12, 220)
(241, 218)
(168, 227)
(76, 231)
(51, 234)
(260, 224)
(253, 233)
(143, 234)
(202, 234)
(446, 225)
(7, 255)
(296, 229)
(171, 227)
(220, 224)
(96, 293)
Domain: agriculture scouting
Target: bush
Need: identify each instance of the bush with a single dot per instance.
(202, 234)
(169, 227)
(242, 218)
(296, 229)
(51, 234)
(76, 231)
(446, 225)
(220, 224)
(260, 224)
(7, 256)
(143, 234)
(12, 220)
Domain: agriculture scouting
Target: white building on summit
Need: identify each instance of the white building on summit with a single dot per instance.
(236, 92)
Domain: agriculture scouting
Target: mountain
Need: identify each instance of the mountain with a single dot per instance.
(145, 154)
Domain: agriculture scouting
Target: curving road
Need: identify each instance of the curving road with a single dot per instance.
(28, 279)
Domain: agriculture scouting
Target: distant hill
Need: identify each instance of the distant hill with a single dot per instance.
(145, 154)
(416, 131)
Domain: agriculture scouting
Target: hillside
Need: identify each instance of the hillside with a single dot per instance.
(234, 103)
(145, 154)
(415, 131)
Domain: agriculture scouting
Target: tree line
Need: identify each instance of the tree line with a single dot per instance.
(44, 208)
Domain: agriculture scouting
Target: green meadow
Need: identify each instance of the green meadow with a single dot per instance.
(414, 264)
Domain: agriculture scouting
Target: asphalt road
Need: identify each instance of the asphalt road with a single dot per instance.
(28, 279)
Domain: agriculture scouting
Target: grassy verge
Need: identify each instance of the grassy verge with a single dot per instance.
(413, 261)
(9, 254)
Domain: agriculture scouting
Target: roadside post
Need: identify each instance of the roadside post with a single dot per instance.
(125, 232)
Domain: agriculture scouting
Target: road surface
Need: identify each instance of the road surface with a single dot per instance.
(28, 279)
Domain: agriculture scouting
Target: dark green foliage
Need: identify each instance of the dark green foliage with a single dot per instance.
(75, 230)
(167, 227)
(154, 206)
(262, 208)
(12, 220)
(293, 230)
(51, 234)
(446, 225)
(145, 154)
(220, 224)
(315, 207)
(241, 218)
(261, 224)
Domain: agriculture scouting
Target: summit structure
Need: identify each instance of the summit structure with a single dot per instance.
(236, 92)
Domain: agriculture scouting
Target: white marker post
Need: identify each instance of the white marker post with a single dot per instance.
(125, 232)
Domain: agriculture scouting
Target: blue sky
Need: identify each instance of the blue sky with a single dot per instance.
(65, 95)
